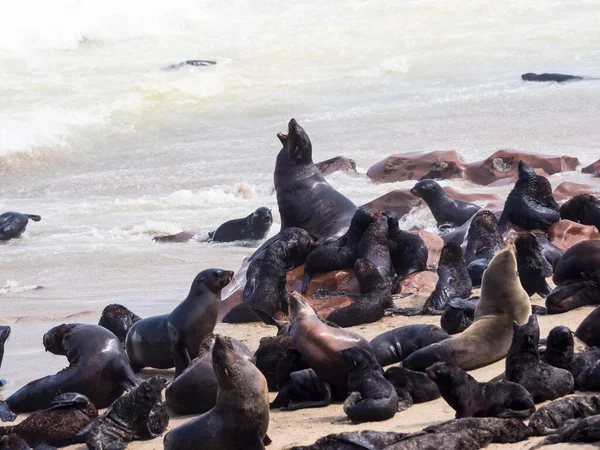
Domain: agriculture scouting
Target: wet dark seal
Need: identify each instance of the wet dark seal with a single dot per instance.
(174, 339)
(372, 398)
(583, 208)
(136, 415)
(411, 387)
(395, 345)
(560, 348)
(98, 369)
(589, 330)
(470, 398)
(552, 416)
(444, 209)
(58, 424)
(253, 227)
(584, 430)
(530, 204)
(303, 389)
(118, 319)
(524, 366)
(4, 335)
(13, 224)
(556, 77)
(240, 417)
(408, 251)
(533, 267)
(192, 63)
(483, 242)
(270, 351)
(503, 431)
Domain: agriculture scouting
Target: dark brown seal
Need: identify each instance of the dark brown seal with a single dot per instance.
(589, 329)
(552, 416)
(118, 319)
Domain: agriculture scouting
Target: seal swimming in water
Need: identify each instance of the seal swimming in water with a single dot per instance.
(319, 344)
(576, 276)
(118, 319)
(589, 329)
(395, 345)
(533, 267)
(372, 398)
(408, 251)
(195, 390)
(504, 431)
(98, 369)
(341, 253)
(136, 415)
(58, 424)
(192, 63)
(530, 204)
(556, 77)
(583, 208)
(470, 398)
(503, 301)
(411, 387)
(255, 226)
(240, 417)
(483, 241)
(524, 366)
(550, 417)
(444, 209)
(13, 224)
(174, 339)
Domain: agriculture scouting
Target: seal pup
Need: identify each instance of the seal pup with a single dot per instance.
(483, 241)
(584, 430)
(583, 208)
(589, 329)
(408, 251)
(503, 301)
(303, 389)
(13, 224)
(411, 387)
(98, 369)
(530, 204)
(253, 227)
(454, 281)
(444, 209)
(136, 415)
(118, 319)
(240, 417)
(195, 390)
(58, 424)
(576, 277)
(548, 418)
(341, 253)
(470, 398)
(372, 398)
(503, 431)
(458, 315)
(374, 247)
(556, 77)
(174, 339)
(560, 348)
(375, 297)
(320, 344)
(4, 334)
(395, 345)
(533, 267)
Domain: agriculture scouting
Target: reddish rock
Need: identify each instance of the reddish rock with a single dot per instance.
(325, 306)
(592, 168)
(337, 164)
(506, 181)
(337, 280)
(504, 164)
(416, 165)
(565, 234)
(418, 282)
(401, 201)
(568, 189)
(434, 244)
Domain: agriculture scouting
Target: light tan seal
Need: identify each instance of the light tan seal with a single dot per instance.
(320, 344)
(503, 301)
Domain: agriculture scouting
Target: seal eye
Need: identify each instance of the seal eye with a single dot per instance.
(218, 273)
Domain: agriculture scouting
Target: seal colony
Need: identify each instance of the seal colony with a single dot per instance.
(353, 267)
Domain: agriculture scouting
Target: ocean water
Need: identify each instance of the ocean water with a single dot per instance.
(110, 148)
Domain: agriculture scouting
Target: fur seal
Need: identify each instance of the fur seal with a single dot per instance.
(16, 442)
(444, 209)
(136, 415)
(408, 251)
(458, 315)
(557, 77)
(270, 351)
(174, 339)
(503, 431)
(375, 297)
(583, 208)
(118, 319)
(411, 387)
(98, 369)
(585, 363)
(4, 334)
(341, 253)
(58, 424)
(374, 247)
(552, 416)
(240, 417)
(454, 281)
(303, 389)
(395, 345)
(483, 241)
(589, 329)
(530, 204)
(503, 301)
(524, 366)
(533, 267)
(253, 227)
(550, 251)
(559, 348)
(372, 398)
(576, 277)
(584, 430)
(13, 224)
(195, 390)
(470, 398)
(320, 344)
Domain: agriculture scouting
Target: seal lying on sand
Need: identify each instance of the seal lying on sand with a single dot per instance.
(589, 330)
(411, 387)
(469, 398)
(584, 430)
(118, 319)
(98, 369)
(255, 226)
(552, 416)
(13, 224)
(503, 301)
(58, 424)
(174, 339)
(240, 417)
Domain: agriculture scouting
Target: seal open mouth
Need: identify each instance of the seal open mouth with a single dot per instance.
(282, 137)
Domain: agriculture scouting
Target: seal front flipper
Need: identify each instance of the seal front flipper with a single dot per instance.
(6, 414)
(33, 217)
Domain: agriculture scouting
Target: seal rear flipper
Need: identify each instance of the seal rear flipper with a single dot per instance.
(267, 440)
(6, 414)
(407, 311)
(33, 217)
